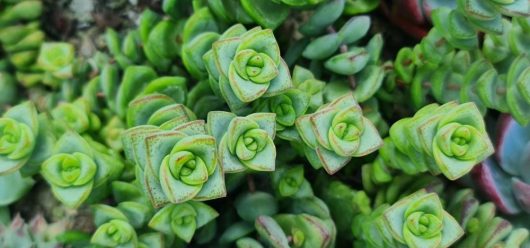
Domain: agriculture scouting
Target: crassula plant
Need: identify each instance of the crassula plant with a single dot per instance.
(335, 133)
(264, 123)
(449, 139)
(418, 220)
(245, 65)
(244, 142)
(175, 165)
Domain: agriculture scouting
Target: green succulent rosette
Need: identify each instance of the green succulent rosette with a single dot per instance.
(182, 219)
(246, 65)
(244, 142)
(337, 132)
(304, 80)
(19, 127)
(287, 106)
(115, 233)
(56, 59)
(77, 168)
(175, 165)
(450, 139)
(419, 220)
(76, 116)
(290, 182)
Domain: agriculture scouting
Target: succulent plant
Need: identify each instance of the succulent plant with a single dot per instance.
(182, 219)
(449, 139)
(418, 220)
(22, 38)
(114, 229)
(76, 169)
(483, 228)
(335, 133)
(245, 65)
(36, 233)
(244, 142)
(503, 177)
(182, 167)
(177, 123)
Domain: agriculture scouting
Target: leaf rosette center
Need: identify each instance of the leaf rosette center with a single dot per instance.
(188, 168)
(66, 170)
(16, 139)
(256, 67)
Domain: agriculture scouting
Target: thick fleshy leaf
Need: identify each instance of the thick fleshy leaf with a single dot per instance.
(271, 231)
(72, 196)
(265, 12)
(497, 185)
(280, 83)
(18, 187)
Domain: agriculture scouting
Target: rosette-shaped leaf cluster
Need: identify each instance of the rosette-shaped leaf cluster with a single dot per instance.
(21, 38)
(246, 65)
(483, 228)
(182, 219)
(56, 59)
(418, 220)
(304, 80)
(19, 128)
(25, 142)
(79, 167)
(504, 177)
(177, 164)
(337, 132)
(449, 139)
(76, 116)
(306, 96)
(244, 142)
(132, 207)
(290, 182)
(288, 107)
(460, 26)
(114, 229)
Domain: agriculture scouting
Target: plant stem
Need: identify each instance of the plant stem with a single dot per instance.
(251, 184)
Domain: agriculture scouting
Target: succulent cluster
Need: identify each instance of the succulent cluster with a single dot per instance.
(264, 123)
